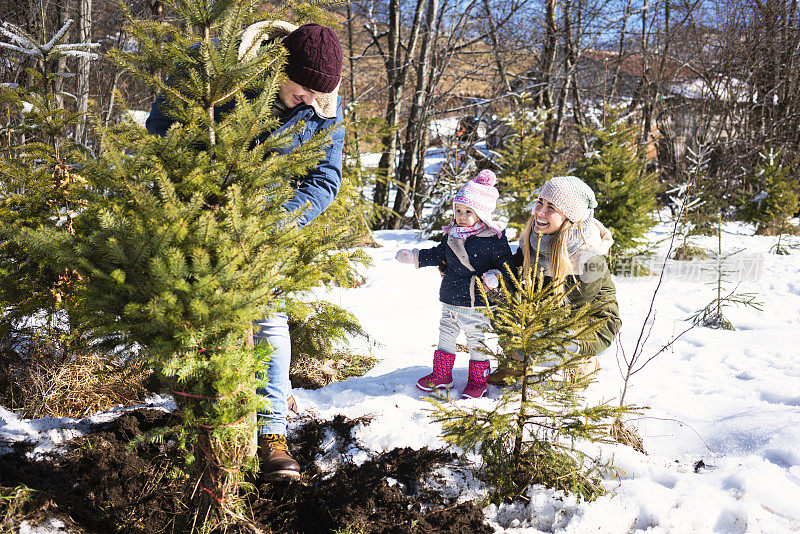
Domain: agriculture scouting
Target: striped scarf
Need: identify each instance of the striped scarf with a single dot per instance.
(463, 232)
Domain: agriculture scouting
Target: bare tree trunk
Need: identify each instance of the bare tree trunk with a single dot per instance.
(445, 50)
(555, 129)
(498, 59)
(396, 73)
(386, 165)
(644, 83)
(112, 98)
(112, 91)
(63, 16)
(792, 66)
(548, 55)
(84, 36)
(572, 38)
(407, 175)
(389, 142)
(352, 87)
(419, 172)
(558, 121)
(653, 89)
(620, 51)
(35, 6)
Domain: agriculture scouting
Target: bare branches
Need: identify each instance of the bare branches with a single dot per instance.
(637, 361)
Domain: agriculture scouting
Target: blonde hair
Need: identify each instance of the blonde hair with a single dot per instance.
(560, 262)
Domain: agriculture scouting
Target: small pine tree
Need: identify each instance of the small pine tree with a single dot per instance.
(691, 206)
(708, 191)
(776, 201)
(531, 435)
(615, 170)
(316, 326)
(185, 241)
(526, 164)
(711, 315)
(41, 185)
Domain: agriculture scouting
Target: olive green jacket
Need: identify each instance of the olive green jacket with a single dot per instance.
(598, 291)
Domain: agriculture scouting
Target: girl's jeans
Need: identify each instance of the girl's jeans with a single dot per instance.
(474, 324)
(277, 388)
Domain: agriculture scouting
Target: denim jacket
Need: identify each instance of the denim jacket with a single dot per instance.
(314, 192)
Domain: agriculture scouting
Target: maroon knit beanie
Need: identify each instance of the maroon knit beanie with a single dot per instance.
(315, 58)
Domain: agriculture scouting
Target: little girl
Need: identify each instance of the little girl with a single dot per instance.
(571, 254)
(474, 249)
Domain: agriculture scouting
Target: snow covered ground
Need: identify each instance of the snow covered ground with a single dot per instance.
(730, 399)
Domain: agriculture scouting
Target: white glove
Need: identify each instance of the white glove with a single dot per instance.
(404, 256)
(490, 279)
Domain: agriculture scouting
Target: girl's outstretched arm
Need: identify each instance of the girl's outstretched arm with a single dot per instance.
(432, 257)
(423, 258)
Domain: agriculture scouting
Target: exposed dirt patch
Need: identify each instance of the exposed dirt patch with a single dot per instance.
(104, 485)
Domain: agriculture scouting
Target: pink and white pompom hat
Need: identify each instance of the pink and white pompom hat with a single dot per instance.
(481, 196)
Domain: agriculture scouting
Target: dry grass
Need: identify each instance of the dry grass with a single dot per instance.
(689, 252)
(43, 384)
(310, 373)
(12, 501)
(22, 509)
(776, 230)
(627, 436)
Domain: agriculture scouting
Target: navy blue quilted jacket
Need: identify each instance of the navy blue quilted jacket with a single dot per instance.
(484, 252)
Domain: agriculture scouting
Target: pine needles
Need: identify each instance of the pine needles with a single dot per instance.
(537, 431)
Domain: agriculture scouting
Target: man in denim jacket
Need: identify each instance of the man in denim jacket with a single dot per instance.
(310, 95)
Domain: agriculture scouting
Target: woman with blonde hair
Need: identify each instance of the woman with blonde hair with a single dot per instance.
(571, 250)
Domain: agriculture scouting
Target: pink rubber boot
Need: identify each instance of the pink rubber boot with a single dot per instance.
(476, 383)
(442, 375)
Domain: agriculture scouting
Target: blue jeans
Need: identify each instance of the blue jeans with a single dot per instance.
(275, 331)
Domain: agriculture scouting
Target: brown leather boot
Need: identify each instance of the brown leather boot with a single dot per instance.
(276, 462)
(498, 376)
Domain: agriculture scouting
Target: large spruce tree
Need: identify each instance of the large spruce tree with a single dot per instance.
(184, 241)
